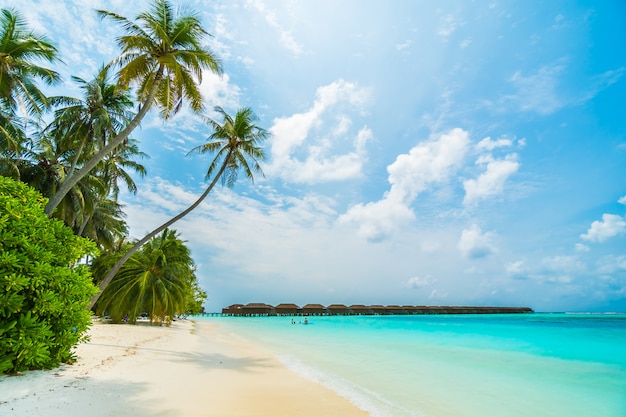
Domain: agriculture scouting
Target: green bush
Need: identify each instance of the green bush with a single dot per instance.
(44, 292)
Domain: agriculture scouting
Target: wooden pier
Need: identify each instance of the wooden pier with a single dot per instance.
(289, 309)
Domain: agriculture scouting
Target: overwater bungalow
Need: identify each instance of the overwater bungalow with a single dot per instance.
(314, 310)
(287, 309)
(378, 309)
(338, 310)
(233, 310)
(394, 309)
(360, 309)
(410, 309)
(258, 309)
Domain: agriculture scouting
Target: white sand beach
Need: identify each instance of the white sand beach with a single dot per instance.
(189, 369)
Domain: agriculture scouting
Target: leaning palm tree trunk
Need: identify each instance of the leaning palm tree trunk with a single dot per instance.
(118, 265)
(76, 176)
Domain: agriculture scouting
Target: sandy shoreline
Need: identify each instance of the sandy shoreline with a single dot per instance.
(189, 369)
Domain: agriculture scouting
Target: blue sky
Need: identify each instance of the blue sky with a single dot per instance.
(426, 153)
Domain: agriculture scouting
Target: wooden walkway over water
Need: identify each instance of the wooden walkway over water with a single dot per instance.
(261, 309)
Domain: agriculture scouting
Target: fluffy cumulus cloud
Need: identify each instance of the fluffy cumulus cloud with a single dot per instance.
(611, 225)
(474, 244)
(427, 164)
(304, 145)
(491, 181)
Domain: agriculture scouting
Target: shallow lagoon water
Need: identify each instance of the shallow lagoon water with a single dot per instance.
(525, 365)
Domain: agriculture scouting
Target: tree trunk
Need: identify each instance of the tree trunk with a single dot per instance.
(118, 265)
(76, 176)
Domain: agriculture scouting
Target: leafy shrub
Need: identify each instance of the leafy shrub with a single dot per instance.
(44, 292)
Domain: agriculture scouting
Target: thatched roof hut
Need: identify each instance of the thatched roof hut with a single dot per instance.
(421, 310)
(286, 309)
(258, 309)
(360, 309)
(233, 310)
(378, 309)
(338, 309)
(394, 309)
(314, 310)
(410, 309)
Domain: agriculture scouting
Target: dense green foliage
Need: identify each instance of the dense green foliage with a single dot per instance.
(158, 280)
(43, 290)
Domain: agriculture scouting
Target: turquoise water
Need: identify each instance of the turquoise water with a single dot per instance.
(531, 365)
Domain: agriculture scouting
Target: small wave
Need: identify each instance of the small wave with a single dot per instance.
(367, 400)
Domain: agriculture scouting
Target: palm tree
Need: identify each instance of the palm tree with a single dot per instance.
(19, 49)
(163, 57)
(158, 280)
(114, 167)
(44, 167)
(236, 144)
(104, 224)
(85, 125)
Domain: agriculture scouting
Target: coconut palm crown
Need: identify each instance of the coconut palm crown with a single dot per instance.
(20, 48)
(164, 51)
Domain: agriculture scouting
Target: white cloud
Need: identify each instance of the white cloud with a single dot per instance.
(582, 248)
(560, 269)
(611, 225)
(622, 200)
(447, 26)
(600, 83)
(285, 36)
(404, 45)
(426, 164)
(378, 220)
(419, 282)
(474, 244)
(517, 269)
(489, 145)
(221, 38)
(562, 264)
(538, 92)
(310, 134)
(491, 181)
(613, 265)
(438, 295)
(218, 91)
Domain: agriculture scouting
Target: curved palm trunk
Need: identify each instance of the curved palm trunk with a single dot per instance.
(76, 176)
(118, 265)
(77, 156)
(83, 225)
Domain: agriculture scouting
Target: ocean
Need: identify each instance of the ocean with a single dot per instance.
(526, 365)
